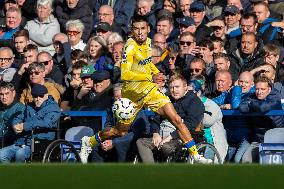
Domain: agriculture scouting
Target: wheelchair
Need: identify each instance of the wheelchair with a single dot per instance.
(181, 155)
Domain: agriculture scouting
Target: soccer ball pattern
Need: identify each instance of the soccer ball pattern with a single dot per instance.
(123, 109)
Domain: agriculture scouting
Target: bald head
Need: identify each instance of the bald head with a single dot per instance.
(106, 14)
(223, 80)
(246, 81)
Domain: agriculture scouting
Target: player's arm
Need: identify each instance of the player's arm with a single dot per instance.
(126, 64)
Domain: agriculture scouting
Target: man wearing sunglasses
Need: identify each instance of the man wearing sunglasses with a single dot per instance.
(36, 72)
(52, 72)
(42, 112)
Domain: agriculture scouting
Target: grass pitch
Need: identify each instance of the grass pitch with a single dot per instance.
(173, 176)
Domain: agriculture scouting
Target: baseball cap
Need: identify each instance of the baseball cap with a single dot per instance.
(232, 9)
(197, 5)
(101, 75)
(103, 26)
(186, 21)
(87, 71)
(39, 90)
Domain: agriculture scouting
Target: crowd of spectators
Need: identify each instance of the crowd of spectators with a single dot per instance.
(212, 56)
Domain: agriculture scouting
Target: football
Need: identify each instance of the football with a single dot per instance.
(123, 109)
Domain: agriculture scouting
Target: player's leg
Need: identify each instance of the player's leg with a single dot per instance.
(170, 114)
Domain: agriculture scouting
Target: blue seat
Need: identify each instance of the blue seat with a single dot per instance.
(272, 150)
(74, 135)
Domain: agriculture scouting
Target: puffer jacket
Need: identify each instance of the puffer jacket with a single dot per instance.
(263, 123)
(46, 116)
(233, 97)
(7, 114)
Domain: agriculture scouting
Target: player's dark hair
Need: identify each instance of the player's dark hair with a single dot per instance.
(139, 18)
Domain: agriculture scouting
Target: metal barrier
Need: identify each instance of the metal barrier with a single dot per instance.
(103, 114)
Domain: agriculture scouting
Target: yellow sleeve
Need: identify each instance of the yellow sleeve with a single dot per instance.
(154, 69)
(126, 64)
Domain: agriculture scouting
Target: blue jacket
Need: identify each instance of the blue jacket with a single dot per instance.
(263, 123)
(268, 32)
(7, 114)
(47, 116)
(233, 97)
(104, 63)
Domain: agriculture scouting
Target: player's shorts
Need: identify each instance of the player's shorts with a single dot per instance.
(153, 100)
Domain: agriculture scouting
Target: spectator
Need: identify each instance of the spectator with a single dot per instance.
(74, 82)
(223, 82)
(214, 131)
(36, 73)
(103, 29)
(68, 10)
(197, 12)
(184, 6)
(122, 11)
(271, 56)
(21, 77)
(99, 97)
(206, 49)
(117, 50)
(96, 50)
(21, 40)
(165, 26)
(106, 15)
(264, 100)
(218, 27)
(186, 24)
(121, 148)
(9, 109)
(219, 45)
(265, 29)
(232, 19)
(113, 38)
(187, 49)
(197, 67)
(74, 31)
(44, 27)
(6, 60)
(62, 55)
(248, 56)
(43, 112)
(52, 72)
(13, 21)
(165, 137)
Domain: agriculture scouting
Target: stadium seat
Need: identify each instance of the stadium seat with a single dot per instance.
(272, 150)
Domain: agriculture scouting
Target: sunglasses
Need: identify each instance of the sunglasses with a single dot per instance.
(195, 70)
(188, 43)
(45, 62)
(72, 33)
(35, 72)
(36, 96)
(172, 57)
(229, 14)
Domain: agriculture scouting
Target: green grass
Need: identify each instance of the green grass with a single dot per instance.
(101, 176)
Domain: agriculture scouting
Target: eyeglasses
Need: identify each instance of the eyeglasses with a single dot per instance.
(188, 43)
(195, 70)
(45, 62)
(73, 33)
(104, 14)
(5, 59)
(34, 72)
(36, 96)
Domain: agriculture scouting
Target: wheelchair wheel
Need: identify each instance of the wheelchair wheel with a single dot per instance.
(208, 151)
(61, 151)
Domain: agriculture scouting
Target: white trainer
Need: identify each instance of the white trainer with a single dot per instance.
(86, 149)
(200, 159)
